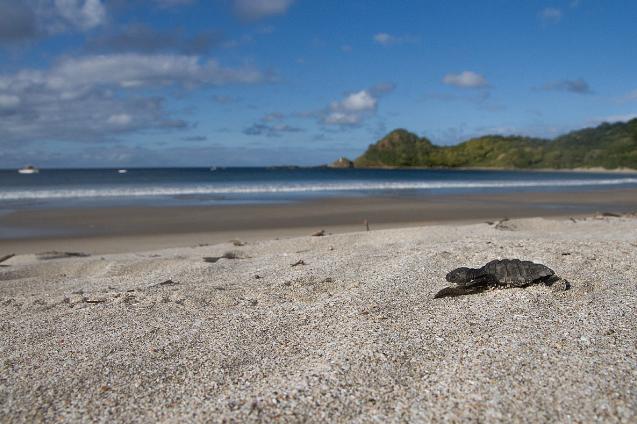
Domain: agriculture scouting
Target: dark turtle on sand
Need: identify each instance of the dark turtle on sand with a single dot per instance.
(500, 273)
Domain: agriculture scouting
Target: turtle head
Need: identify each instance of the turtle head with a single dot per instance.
(459, 275)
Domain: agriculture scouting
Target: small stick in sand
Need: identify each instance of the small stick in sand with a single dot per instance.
(59, 255)
(227, 255)
(6, 257)
(94, 300)
(502, 225)
(299, 262)
(366, 222)
(165, 283)
(611, 214)
(602, 215)
(320, 233)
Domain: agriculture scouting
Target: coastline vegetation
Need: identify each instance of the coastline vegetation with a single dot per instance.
(609, 146)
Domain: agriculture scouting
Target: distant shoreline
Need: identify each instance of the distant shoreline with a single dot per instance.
(131, 228)
(594, 170)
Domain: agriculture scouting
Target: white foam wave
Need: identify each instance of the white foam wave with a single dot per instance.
(163, 191)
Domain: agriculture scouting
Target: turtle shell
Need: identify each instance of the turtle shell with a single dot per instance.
(516, 272)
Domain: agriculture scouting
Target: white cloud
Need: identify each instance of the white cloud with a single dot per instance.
(355, 107)
(8, 101)
(259, 9)
(342, 118)
(121, 119)
(22, 19)
(135, 70)
(466, 79)
(94, 97)
(385, 39)
(550, 15)
(84, 15)
(356, 102)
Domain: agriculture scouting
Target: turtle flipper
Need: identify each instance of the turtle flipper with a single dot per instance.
(459, 291)
(479, 280)
(557, 284)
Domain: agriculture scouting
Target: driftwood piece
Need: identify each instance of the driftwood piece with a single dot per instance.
(227, 255)
(6, 257)
(505, 225)
(165, 283)
(607, 215)
(54, 254)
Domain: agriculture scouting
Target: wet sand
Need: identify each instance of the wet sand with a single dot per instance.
(127, 229)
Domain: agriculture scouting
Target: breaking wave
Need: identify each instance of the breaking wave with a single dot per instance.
(309, 187)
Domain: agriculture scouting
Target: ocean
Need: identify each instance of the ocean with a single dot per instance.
(213, 186)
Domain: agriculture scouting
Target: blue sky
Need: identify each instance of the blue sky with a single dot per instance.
(262, 82)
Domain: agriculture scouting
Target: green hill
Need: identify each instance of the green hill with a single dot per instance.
(608, 146)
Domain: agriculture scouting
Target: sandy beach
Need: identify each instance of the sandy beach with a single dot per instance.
(350, 334)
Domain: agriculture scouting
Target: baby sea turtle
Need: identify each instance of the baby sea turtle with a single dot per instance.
(500, 273)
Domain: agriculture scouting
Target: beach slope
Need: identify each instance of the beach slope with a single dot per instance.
(349, 333)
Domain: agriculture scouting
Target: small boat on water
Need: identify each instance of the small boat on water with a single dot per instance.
(29, 169)
(122, 171)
